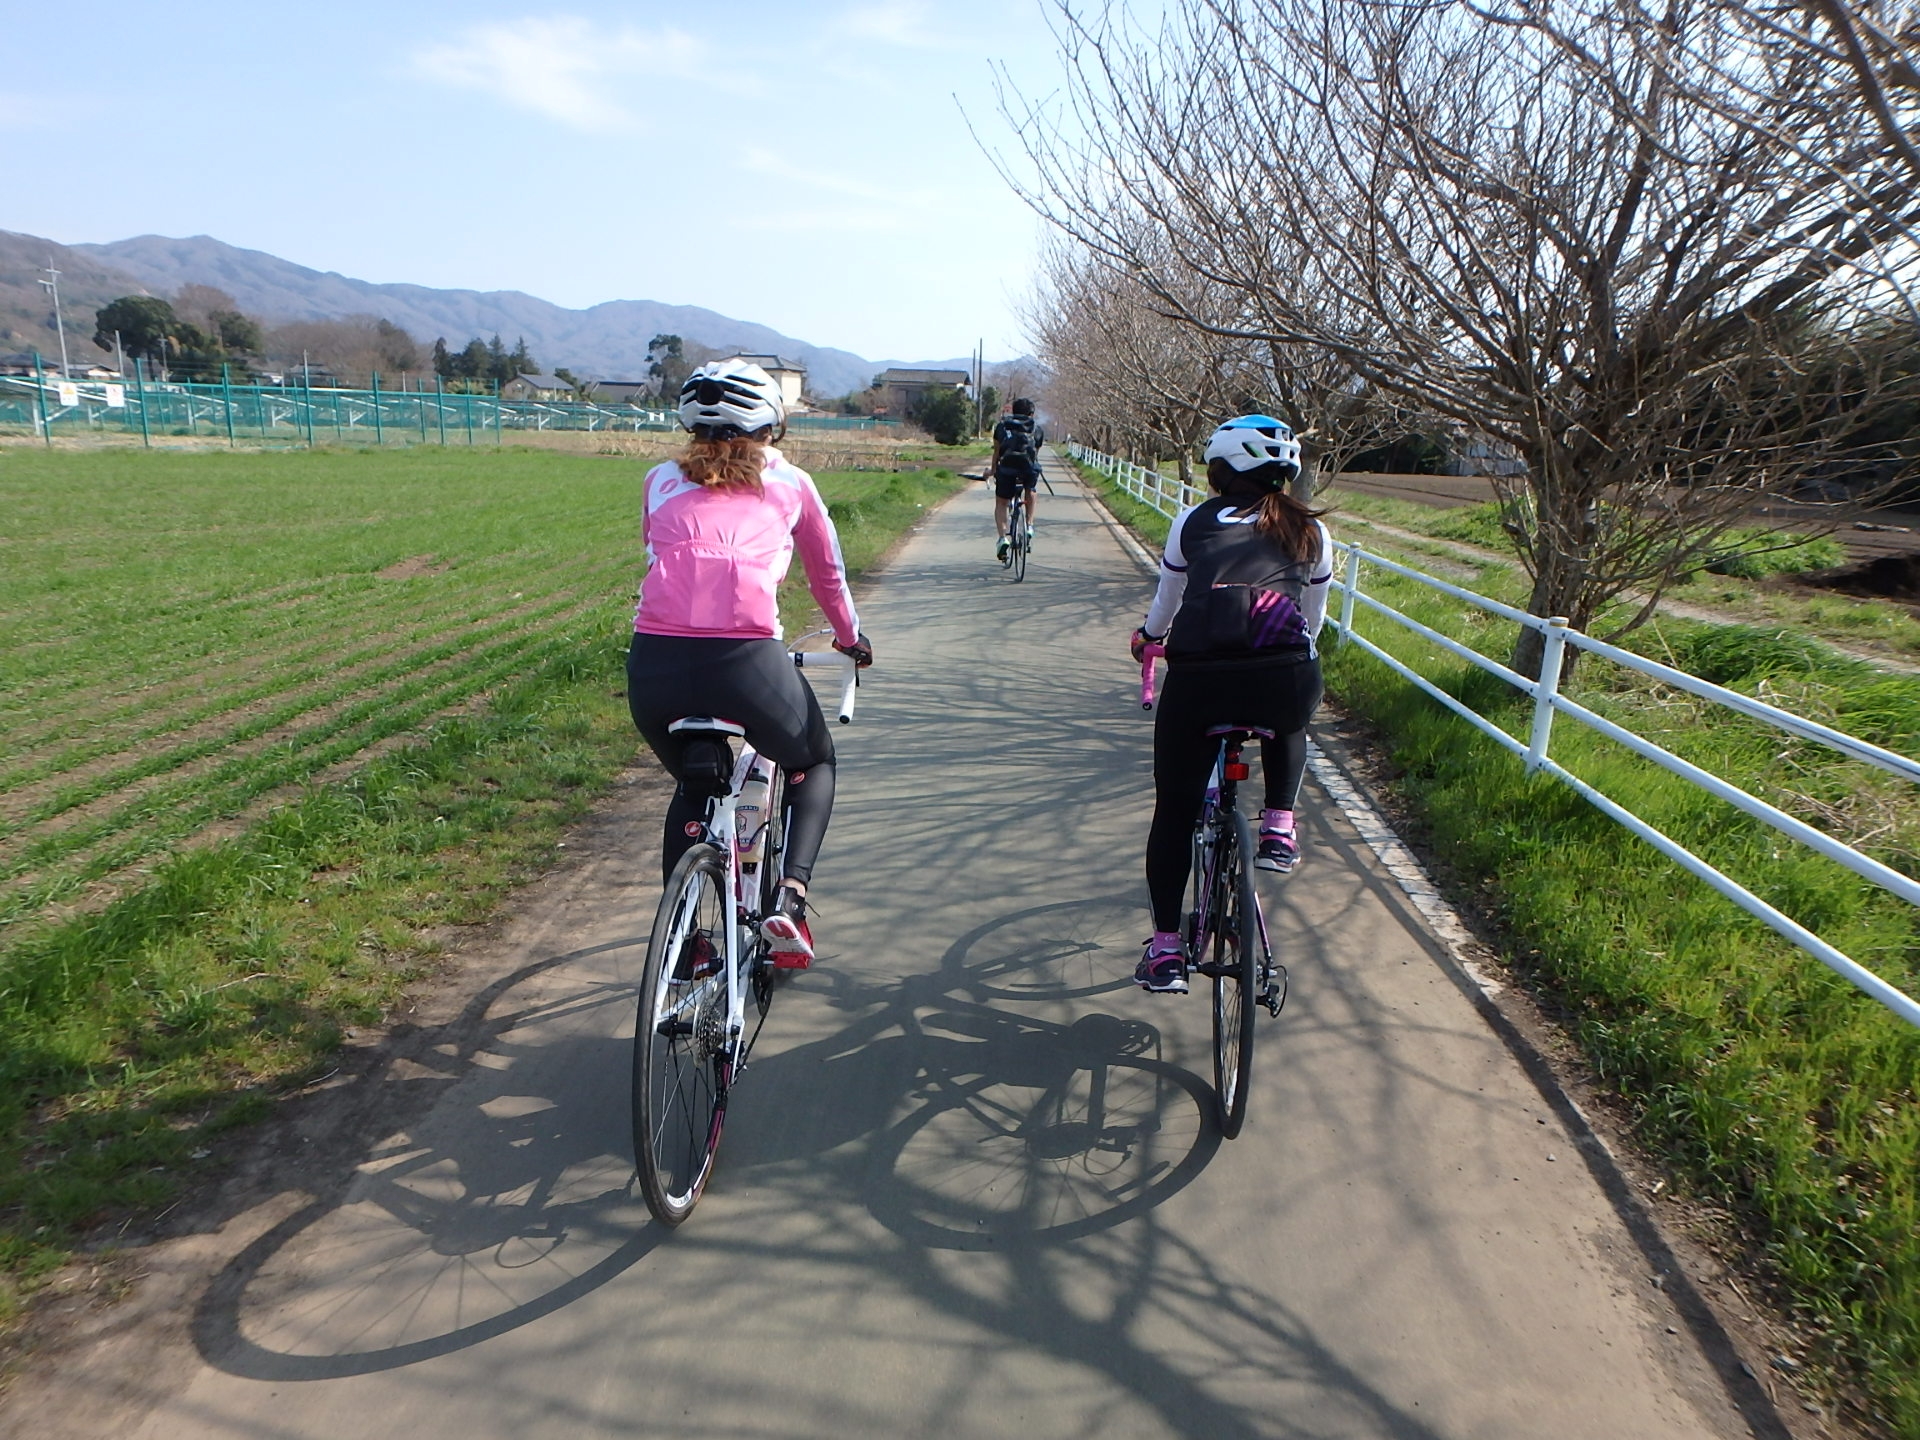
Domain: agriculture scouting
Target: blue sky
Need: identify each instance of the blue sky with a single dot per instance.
(802, 165)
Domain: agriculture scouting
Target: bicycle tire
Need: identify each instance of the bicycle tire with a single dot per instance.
(1236, 947)
(1021, 537)
(679, 1066)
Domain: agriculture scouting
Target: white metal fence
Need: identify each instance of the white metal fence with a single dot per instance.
(1165, 496)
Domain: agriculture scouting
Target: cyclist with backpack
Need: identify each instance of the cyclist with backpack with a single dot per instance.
(720, 524)
(1242, 594)
(1015, 467)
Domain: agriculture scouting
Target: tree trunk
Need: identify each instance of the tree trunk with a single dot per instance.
(1307, 482)
(1557, 588)
(1186, 473)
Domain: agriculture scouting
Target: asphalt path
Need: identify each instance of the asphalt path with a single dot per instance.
(970, 1185)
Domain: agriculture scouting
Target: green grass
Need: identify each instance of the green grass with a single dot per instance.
(1766, 1083)
(248, 780)
(1882, 626)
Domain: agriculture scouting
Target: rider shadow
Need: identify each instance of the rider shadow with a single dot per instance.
(977, 1124)
(509, 1197)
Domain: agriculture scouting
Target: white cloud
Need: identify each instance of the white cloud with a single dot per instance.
(857, 207)
(565, 68)
(894, 22)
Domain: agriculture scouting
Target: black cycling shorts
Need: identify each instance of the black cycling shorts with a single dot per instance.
(1008, 483)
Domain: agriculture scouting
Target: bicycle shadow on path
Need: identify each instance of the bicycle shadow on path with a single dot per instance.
(1004, 1151)
(507, 1199)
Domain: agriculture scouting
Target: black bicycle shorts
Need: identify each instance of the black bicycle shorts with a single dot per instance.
(1005, 487)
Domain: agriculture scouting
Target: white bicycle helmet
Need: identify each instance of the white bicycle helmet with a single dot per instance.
(730, 396)
(1247, 442)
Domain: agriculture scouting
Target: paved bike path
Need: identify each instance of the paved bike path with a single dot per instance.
(969, 1187)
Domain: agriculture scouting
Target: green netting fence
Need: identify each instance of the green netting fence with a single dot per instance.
(300, 414)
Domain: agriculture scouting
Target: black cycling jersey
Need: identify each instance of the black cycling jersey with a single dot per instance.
(1245, 597)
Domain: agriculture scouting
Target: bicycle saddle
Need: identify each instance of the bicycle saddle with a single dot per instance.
(1263, 733)
(706, 757)
(688, 724)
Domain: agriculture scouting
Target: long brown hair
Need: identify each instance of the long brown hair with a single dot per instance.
(1277, 515)
(731, 464)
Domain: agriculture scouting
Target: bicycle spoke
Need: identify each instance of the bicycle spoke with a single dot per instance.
(679, 1061)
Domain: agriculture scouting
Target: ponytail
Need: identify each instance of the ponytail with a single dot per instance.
(731, 464)
(1277, 515)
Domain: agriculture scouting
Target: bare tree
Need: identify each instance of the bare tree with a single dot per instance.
(1162, 383)
(199, 305)
(1615, 279)
(356, 347)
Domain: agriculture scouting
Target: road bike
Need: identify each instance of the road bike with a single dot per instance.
(1019, 537)
(706, 958)
(1225, 929)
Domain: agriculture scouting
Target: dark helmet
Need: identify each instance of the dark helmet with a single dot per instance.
(1023, 406)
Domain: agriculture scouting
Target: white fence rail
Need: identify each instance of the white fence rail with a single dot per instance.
(1166, 496)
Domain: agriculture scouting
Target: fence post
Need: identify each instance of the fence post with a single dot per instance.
(1349, 589)
(140, 398)
(1544, 689)
(226, 398)
(40, 397)
(379, 422)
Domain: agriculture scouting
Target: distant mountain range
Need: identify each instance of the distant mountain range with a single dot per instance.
(607, 341)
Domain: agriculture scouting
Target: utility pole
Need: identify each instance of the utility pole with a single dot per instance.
(53, 284)
(979, 394)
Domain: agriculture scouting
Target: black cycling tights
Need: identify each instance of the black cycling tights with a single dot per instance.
(1280, 698)
(754, 684)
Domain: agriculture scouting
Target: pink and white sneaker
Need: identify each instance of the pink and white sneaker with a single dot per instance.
(786, 932)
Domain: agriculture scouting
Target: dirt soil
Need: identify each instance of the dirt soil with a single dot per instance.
(1888, 577)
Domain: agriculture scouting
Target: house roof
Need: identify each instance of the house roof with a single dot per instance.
(771, 363)
(925, 377)
(543, 382)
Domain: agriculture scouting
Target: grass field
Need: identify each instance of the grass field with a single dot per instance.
(1877, 626)
(269, 722)
(1765, 1083)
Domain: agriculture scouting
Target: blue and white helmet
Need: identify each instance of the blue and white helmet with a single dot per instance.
(1247, 442)
(731, 393)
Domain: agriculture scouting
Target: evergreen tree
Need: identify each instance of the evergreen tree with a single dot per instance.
(498, 367)
(442, 361)
(946, 413)
(146, 325)
(521, 362)
(667, 365)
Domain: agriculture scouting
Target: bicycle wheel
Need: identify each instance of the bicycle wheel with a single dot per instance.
(1235, 936)
(679, 1060)
(1021, 536)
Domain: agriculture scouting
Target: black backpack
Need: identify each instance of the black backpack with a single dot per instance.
(1013, 435)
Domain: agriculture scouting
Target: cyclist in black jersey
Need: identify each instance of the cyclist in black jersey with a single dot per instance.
(1015, 466)
(1242, 594)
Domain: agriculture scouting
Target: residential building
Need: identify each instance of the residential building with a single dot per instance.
(905, 387)
(536, 387)
(642, 393)
(791, 375)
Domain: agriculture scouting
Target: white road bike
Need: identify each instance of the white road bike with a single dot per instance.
(706, 961)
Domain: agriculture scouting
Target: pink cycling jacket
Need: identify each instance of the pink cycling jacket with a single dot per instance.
(715, 557)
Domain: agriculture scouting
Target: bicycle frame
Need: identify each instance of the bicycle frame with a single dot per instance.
(1222, 798)
(723, 831)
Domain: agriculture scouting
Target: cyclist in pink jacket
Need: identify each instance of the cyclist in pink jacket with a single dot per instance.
(720, 524)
